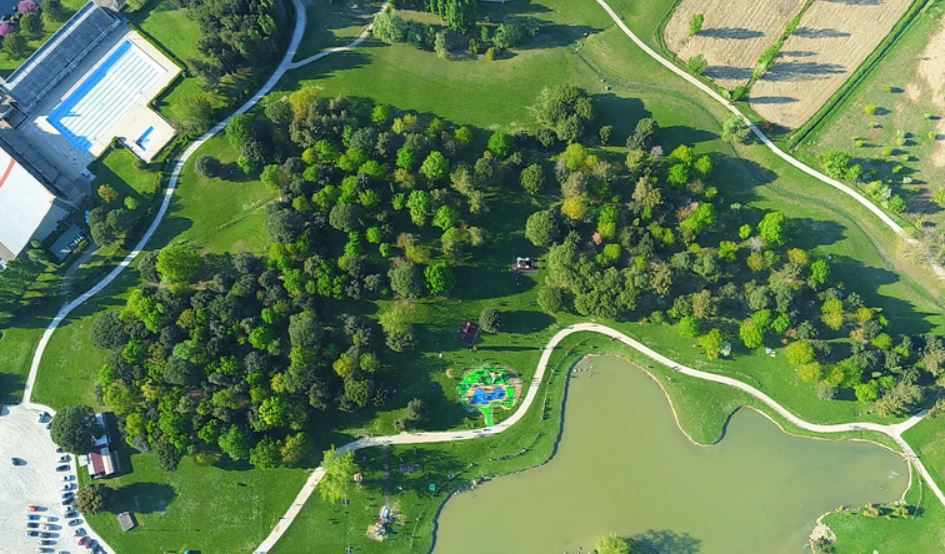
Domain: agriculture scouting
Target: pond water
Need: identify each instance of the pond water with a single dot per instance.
(624, 466)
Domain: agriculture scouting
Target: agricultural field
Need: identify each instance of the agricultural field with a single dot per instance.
(733, 35)
(893, 121)
(830, 43)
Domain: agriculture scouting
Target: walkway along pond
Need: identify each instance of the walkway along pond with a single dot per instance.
(623, 465)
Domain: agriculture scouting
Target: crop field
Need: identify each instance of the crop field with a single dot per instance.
(903, 141)
(832, 40)
(734, 34)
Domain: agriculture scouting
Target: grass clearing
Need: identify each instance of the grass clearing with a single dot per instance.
(830, 43)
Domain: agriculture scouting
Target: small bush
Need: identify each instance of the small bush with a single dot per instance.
(492, 53)
(870, 109)
(207, 166)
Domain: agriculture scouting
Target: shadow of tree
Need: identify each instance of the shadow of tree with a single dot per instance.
(143, 498)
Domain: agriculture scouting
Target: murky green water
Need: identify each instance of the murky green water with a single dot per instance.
(624, 466)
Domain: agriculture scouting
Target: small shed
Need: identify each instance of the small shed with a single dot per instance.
(127, 521)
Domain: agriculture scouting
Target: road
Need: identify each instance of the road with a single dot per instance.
(894, 431)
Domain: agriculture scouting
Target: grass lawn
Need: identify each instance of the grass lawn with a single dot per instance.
(907, 126)
(333, 23)
(857, 533)
(8, 65)
(198, 507)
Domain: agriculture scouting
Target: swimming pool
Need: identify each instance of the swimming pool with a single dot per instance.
(87, 116)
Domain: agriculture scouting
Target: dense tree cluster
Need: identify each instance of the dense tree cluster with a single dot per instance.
(240, 355)
(649, 237)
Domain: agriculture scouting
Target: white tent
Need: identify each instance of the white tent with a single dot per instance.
(27, 208)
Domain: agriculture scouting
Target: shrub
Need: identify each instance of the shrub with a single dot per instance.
(492, 53)
(870, 109)
(698, 64)
(490, 320)
(207, 166)
(696, 23)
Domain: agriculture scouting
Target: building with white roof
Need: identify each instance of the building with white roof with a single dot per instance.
(28, 210)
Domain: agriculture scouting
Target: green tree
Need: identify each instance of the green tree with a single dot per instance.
(532, 179)
(236, 442)
(698, 64)
(712, 343)
(799, 352)
(734, 129)
(94, 498)
(15, 46)
(31, 24)
(689, 327)
(435, 167)
(405, 279)
(75, 429)
(339, 474)
(490, 320)
(195, 113)
(501, 144)
(773, 228)
(751, 333)
(440, 279)
(612, 544)
(541, 228)
(439, 46)
(265, 455)
(695, 23)
(178, 264)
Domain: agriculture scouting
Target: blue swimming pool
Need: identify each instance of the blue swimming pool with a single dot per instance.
(65, 112)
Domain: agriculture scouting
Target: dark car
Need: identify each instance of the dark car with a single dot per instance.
(32, 526)
(64, 458)
(18, 461)
(62, 468)
(32, 517)
(84, 541)
(47, 542)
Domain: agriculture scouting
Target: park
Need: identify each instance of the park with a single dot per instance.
(302, 283)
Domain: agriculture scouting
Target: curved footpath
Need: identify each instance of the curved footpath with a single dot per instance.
(893, 431)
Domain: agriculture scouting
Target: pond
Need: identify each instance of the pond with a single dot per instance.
(624, 466)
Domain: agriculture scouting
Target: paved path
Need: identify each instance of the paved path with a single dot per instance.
(893, 431)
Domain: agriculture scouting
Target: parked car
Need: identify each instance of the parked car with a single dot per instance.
(64, 458)
(33, 508)
(75, 522)
(59, 450)
(32, 525)
(32, 517)
(18, 461)
(45, 549)
(32, 533)
(47, 542)
(49, 527)
(68, 477)
(67, 501)
(68, 486)
(66, 495)
(62, 468)
(84, 541)
(80, 532)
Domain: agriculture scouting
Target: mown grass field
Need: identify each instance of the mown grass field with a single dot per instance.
(219, 216)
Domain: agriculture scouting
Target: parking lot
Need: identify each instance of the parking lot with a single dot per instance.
(32, 481)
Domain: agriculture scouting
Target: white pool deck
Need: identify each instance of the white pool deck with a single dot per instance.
(102, 107)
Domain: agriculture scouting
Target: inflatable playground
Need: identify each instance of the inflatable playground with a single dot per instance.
(488, 388)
